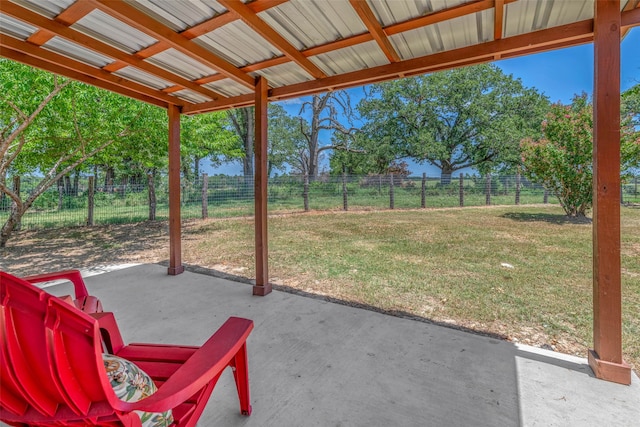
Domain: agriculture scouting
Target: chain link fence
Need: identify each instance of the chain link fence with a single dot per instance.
(82, 201)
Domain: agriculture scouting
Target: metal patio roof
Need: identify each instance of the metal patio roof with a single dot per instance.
(204, 55)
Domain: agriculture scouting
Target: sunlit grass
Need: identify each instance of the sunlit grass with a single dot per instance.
(523, 272)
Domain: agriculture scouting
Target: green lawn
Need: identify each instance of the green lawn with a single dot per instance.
(445, 265)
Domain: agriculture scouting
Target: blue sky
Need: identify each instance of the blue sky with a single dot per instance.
(559, 74)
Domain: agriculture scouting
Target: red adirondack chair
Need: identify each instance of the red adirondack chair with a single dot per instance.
(52, 372)
(85, 302)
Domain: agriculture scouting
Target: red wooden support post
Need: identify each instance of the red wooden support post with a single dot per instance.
(262, 286)
(175, 243)
(606, 357)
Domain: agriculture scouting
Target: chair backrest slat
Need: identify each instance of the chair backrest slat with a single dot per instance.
(51, 353)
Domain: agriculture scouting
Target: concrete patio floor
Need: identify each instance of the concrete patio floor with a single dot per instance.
(318, 363)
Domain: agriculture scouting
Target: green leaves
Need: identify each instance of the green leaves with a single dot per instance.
(473, 116)
(562, 160)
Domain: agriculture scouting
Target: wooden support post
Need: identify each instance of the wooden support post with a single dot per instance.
(392, 196)
(423, 191)
(518, 188)
(151, 193)
(461, 190)
(606, 356)
(305, 192)
(262, 286)
(345, 200)
(487, 190)
(175, 243)
(91, 200)
(205, 196)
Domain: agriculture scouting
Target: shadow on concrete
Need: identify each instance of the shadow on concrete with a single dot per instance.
(316, 361)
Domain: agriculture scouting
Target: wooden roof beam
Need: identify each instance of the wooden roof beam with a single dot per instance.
(432, 18)
(562, 36)
(137, 19)
(375, 29)
(37, 20)
(272, 36)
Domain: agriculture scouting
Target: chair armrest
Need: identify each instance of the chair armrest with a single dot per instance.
(205, 365)
(73, 276)
(109, 331)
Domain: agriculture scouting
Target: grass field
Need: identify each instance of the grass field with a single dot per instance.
(445, 265)
(521, 272)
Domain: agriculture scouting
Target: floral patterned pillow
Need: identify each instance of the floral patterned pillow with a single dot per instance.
(131, 384)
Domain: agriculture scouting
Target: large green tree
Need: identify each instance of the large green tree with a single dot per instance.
(467, 117)
(50, 125)
(562, 160)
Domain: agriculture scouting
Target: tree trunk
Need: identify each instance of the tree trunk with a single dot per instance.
(423, 191)
(205, 196)
(14, 218)
(76, 183)
(445, 175)
(151, 188)
(91, 201)
(305, 193)
(109, 176)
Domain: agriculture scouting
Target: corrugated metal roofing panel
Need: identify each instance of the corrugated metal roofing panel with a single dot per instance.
(15, 28)
(391, 12)
(142, 77)
(284, 74)
(49, 8)
(306, 24)
(179, 14)
(238, 44)
(111, 31)
(181, 64)
(228, 87)
(526, 16)
(72, 50)
(353, 58)
(452, 34)
(191, 96)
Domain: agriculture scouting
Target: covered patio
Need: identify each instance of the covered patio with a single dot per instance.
(213, 55)
(313, 362)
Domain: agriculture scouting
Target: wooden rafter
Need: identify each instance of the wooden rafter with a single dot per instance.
(369, 19)
(562, 36)
(498, 19)
(138, 20)
(84, 40)
(250, 18)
